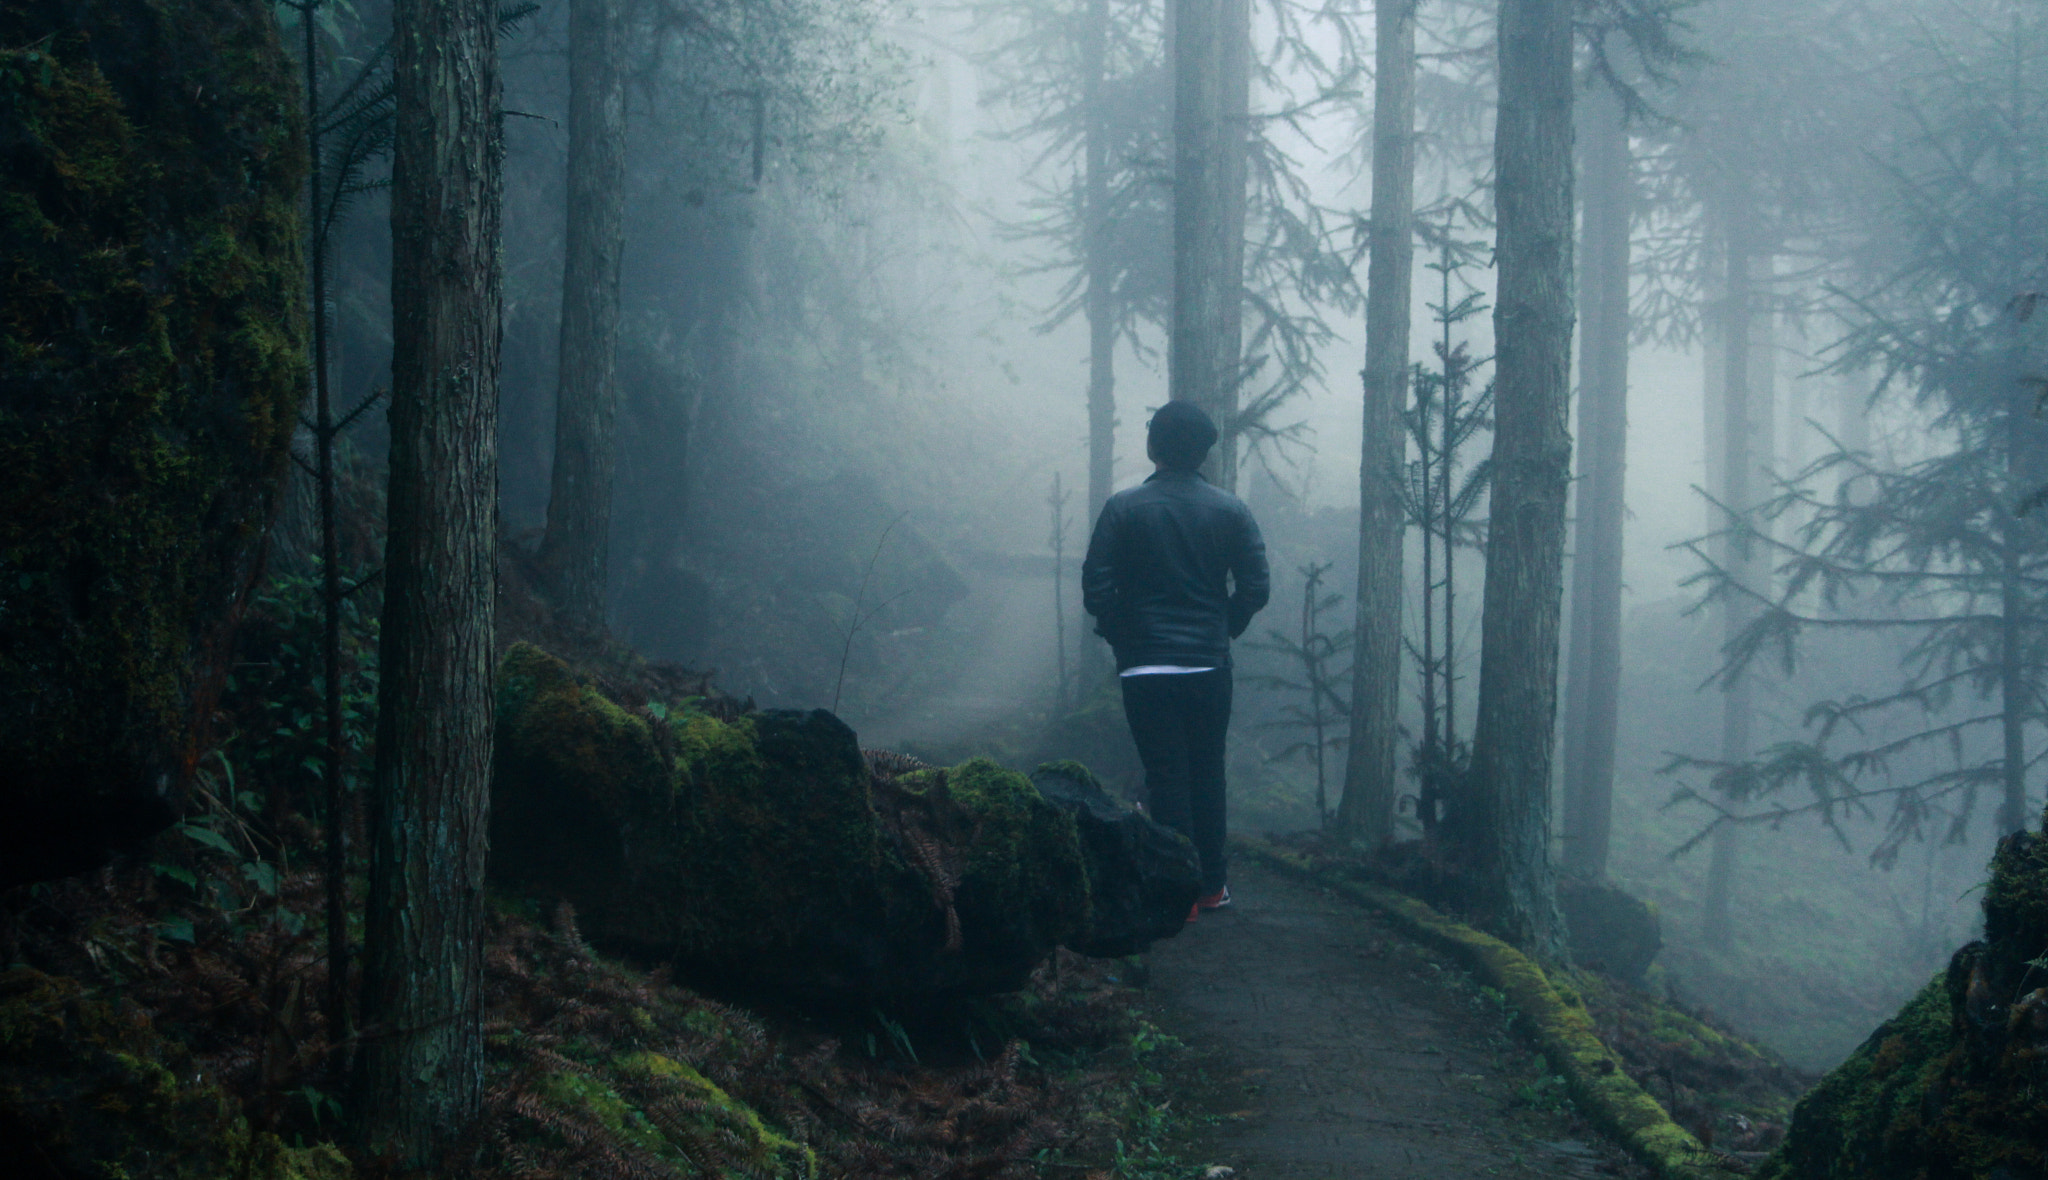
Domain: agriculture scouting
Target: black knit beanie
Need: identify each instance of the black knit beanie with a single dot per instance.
(1181, 435)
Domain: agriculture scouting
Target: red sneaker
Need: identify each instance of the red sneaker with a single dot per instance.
(1194, 911)
(1214, 901)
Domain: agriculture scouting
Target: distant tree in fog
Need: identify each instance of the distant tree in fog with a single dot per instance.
(1366, 812)
(1761, 133)
(1313, 654)
(1610, 110)
(1211, 56)
(1933, 553)
(1087, 80)
(1087, 84)
(576, 547)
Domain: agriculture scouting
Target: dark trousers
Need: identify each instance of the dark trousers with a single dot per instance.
(1178, 720)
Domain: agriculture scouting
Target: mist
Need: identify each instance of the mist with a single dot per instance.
(854, 361)
(646, 492)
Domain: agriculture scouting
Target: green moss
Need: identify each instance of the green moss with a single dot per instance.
(664, 1108)
(152, 337)
(1022, 846)
(755, 844)
(1951, 1086)
(581, 1094)
(546, 713)
(781, 1153)
(709, 750)
(1847, 1125)
(87, 1085)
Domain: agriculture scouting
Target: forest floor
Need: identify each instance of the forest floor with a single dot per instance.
(1323, 1045)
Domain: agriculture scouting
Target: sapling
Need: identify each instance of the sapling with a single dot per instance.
(1324, 715)
(1441, 499)
(1058, 503)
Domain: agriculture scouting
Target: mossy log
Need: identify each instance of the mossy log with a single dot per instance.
(89, 1091)
(1143, 877)
(762, 847)
(152, 327)
(1951, 1088)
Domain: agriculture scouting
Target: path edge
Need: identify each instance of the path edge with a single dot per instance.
(1561, 1027)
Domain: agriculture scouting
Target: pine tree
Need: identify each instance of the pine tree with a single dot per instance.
(1366, 812)
(1506, 830)
(576, 547)
(1937, 553)
(1592, 706)
(1211, 46)
(420, 1070)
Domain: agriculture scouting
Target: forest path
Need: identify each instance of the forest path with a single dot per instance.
(1336, 1049)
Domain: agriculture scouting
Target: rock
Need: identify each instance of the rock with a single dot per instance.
(152, 336)
(90, 1091)
(1950, 1087)
(1610, 929)
(1142, 875)
(761, 848)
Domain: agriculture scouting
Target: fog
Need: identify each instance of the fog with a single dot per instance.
(855, 358)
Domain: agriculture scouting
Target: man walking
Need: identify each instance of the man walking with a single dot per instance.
(1155, 580)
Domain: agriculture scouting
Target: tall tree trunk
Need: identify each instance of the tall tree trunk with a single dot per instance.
(1748, 416)
(2013, 699)
(1211, 117)
(420, 1068)
(1508, 831)
(1370, 786)
(1593, 686)
(576, 546)
(334, 826)
(2015, 695)
(1101, 305)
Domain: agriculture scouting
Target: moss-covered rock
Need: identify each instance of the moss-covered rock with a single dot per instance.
(89, 1091)
(151, 343)
(761, 846)
(1609, 928)
(1956, 1085)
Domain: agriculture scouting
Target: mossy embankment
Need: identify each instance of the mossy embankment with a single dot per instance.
(167, 1059)
(90, 1088)
(152, 332)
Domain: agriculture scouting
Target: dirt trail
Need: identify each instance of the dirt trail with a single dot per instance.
(1335, 1050)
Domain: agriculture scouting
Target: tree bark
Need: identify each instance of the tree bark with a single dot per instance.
(1593, 687)
(576, 546)
(1211, 116)
(334, 826)
(2012, 700)
(1747, 435)
(1507, 829)
(420, 1069)
(1101, 305)
(2013, 689)
(1366, 812)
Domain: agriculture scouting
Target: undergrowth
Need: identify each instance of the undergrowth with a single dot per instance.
(596, 1069)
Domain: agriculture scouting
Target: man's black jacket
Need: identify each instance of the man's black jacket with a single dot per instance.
(1154, 576)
